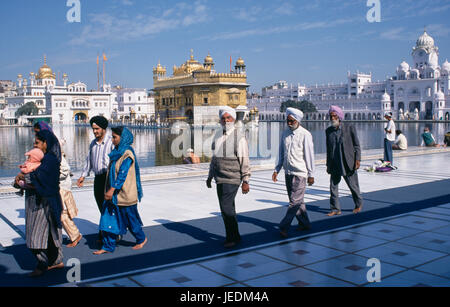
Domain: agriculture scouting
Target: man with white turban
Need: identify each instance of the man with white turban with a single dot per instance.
(296, 156)
(343, 159)
(230, 166)
(389, 138)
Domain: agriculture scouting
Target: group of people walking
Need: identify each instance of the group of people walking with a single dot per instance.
(50, 206)
(231, 169)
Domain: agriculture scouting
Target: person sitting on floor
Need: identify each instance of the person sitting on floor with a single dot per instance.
(401, 143)
(428, 138)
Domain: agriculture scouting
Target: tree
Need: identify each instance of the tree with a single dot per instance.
(304, 105)
(27, 109)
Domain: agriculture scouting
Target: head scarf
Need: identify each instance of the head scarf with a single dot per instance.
(53, 146)
(43, 126)
(45, 178)
(338, 112)
(295, 113)
(100, 121)
(229, 110)
(126, 139)
(388, 114)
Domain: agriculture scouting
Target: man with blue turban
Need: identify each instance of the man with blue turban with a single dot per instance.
(296, 156)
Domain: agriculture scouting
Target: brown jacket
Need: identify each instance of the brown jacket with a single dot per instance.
(128, 194)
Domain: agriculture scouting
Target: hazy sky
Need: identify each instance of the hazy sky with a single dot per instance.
(307, 42)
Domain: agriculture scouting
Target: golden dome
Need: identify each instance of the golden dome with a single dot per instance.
(188, 67)
(159, 69)
(240, 62)
(45, 72)
(209, 59)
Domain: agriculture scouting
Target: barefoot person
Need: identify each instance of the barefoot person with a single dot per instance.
(97, 160)
(230, 166)
(123, 191)
(70, 210)
(296, 156)
(43, 206)
(343, 159)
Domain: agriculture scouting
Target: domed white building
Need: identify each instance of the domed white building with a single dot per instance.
(422, 85)
(63, 104)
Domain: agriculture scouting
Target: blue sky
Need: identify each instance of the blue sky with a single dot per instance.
(307, 42)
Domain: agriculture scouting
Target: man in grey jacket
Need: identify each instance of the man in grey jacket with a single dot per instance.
(296, 156)
(343, 160)
(230, 166)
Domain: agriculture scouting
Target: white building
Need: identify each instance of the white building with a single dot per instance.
(132, 104)
(64, 104)
(420, 91)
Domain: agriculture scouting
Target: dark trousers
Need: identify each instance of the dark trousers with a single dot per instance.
(353, 184)
(99, 194)
(388, 156)
(99, 190)
(227, 194)
(296, 187)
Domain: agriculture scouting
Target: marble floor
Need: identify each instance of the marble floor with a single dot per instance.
(412, 245)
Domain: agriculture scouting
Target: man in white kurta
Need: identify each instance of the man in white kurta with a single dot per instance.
(296, 156)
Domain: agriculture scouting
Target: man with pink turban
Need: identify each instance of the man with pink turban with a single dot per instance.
(343, 159)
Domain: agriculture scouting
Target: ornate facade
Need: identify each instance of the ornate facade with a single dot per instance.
(420, 91)
(195, 91)
(63, 104)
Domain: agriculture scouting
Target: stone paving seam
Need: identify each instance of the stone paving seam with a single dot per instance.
(219, 273)
(304, 266)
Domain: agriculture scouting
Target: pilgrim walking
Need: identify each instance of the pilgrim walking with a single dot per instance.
(43, 206)
(343, 160)
(230, 166)
(123, 192)
(97, 159)
(296, 156)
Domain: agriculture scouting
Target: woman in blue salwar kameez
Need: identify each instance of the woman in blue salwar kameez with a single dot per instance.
(123, 191)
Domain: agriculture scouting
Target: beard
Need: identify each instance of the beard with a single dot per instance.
(335, 123)
(228, 126)
(293, 126)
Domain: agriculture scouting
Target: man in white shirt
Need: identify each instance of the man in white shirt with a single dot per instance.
(401, 143)
(389, 138)
(296, 156)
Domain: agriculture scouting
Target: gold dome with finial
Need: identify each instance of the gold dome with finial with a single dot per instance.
(240, 62)
(45, 72)
(209, 59)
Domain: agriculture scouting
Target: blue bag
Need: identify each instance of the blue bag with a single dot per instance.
(111, 220)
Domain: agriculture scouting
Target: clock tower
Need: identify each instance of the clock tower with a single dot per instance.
(425, 53)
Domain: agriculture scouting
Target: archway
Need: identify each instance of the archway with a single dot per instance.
(414, 105)
(189, 115)
(80, 117)
(447, 116)
(429, 110)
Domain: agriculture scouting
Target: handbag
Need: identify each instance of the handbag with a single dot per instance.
(110, 220)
